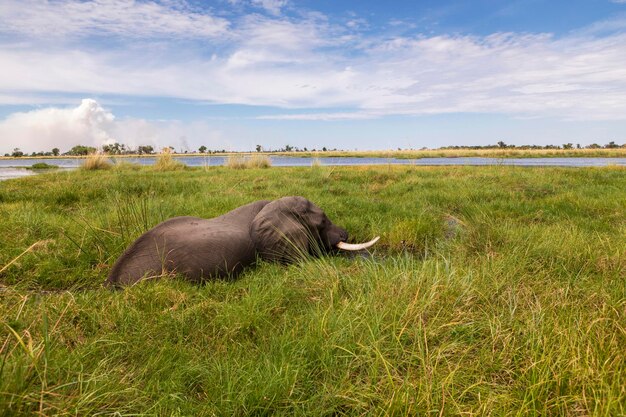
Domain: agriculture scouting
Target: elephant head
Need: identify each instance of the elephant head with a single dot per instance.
(288, 228)
(283, 230)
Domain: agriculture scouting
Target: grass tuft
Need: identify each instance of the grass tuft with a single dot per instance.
(243, 162)
(259, 161)
(96, 161)
(166, 162)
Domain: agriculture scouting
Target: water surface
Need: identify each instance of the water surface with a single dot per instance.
(13, 168)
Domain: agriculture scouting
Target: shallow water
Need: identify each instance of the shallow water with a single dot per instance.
(10, 168)
(8, 173)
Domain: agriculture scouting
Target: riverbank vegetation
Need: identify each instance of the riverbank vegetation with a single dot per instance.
(493, 291)
(500, 150)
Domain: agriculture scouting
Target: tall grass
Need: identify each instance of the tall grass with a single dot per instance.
(259, 161)
(165, 162)
(493, 291)
(96, 161)
(243, 162)
(316, 162)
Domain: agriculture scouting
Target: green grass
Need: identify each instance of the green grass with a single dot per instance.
(42, 165)
(493, 291)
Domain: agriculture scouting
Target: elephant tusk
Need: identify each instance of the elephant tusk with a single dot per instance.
(359, 246)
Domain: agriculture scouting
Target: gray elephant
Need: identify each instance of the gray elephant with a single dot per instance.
(282, 230)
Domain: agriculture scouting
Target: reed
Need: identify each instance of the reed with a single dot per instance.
(242, 162)
(166, 162)
(96, 161)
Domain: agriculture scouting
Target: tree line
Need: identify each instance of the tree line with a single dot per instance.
(502, 145)
(122, 149)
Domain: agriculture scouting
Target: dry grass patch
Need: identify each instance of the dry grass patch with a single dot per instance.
(243, 162)
(96, 161)
(166, 162)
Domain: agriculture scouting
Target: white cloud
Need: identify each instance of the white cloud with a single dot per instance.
(99, 17)
(91, 125)
(272, 6)
(44, 129)
(309, 62)
(339, 116)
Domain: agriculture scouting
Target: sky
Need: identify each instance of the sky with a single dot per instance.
(366, 75)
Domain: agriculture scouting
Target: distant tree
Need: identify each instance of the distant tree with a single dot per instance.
(611, 145)
(259, 148)
(202, 149)
(594, 146)
(324, 149)
(288, 148)
(578, 146)
(55, 151)
(568, 146)
(81, 150)
(115, 149)
(145, 149)
(501, 144)
(17, 153)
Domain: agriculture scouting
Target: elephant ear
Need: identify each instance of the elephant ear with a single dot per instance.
(280, 231)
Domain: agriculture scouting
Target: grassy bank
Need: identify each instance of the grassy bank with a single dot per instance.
(493, 291)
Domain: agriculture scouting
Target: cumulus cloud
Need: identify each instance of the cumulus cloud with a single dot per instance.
(310, 62)
(44, 129)
(90, 124)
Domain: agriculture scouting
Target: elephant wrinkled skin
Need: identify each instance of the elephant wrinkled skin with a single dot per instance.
(282, 230)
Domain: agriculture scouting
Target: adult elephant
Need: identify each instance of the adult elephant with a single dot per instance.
(282, 230)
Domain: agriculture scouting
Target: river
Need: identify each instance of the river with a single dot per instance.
(14, 168)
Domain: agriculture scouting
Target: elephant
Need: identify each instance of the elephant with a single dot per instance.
(282, 230)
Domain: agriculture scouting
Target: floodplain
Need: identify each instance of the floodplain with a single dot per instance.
(493, 290)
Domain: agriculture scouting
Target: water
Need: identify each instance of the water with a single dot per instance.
(13, 168)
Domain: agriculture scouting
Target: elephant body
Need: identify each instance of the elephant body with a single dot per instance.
(282, 230)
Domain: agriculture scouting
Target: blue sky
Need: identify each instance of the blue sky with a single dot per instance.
(230, 74)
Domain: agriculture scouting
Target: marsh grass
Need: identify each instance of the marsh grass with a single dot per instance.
(259, 161)
(239, 161)
(520, 311)
(165, 161)
(42, 166)
(121, 165)
(96, 161)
